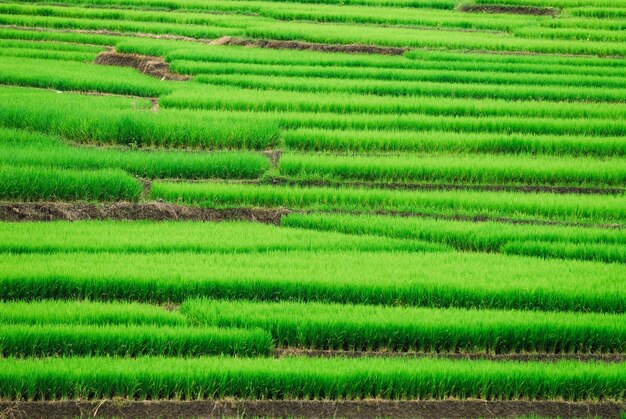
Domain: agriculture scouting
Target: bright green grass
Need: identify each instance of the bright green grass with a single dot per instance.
(306, 378)
(351, 73)
(32, 149)
(457, 169)
(31, 183)
(418, 88)
(354, 327)
(47, 312)
(126, 121)
(65, 75)
(197, 96)
(75, 340)
(530, 240)
(453, 142)
(176, 236)
(513, 205)
(433, 279)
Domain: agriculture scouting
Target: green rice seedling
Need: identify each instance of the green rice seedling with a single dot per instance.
(30, 183)
(373, 328)
(457, 169)
(564, 242)
(85, 312)
(177, 236)
(430, 279)
(47, 45)
(114, 340)
(417, 88)
(13, 53)
(24, 148)
(571, 33)
(556, 3)
(350, 73)
(596, 209)
(449, 123)
(66, 75)
(418, 59)
(95, 39)
(306, 378)
(598, 12)
(195, 96)
(311, 139)
(125, 121)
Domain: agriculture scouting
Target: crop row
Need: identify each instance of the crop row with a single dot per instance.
(304, 139)
(28, 326)
(563, 242)
(302, 378)
(417, 88)
(76, 340)
(417, 59)
(178, 236)
(521, 206)
(211, 26)
(32, 183)
(127, 121)
(31, 149)
(432, 279)
(456, 169)
(215, 96)
(353, 327)
(408, 76)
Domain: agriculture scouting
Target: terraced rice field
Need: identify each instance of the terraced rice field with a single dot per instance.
(313, 208)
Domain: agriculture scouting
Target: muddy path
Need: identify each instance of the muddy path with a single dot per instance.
(154, 211)
(521, 357)
(308, 408)
(152, 66)
(514, 10)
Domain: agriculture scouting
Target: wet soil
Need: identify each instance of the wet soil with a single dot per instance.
(309, 408)
(152, 66)
(515, 10)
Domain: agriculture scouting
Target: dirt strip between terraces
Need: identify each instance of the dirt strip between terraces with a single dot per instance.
(160, 211)
(515, 10)
(156, 211)
(309, 408)
(521, 357)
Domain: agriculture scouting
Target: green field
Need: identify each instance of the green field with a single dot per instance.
(280, 208)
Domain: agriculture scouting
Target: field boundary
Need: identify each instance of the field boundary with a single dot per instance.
(307, 408)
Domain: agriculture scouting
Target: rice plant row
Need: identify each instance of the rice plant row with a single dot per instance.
(179, 236)
(457, 169)
(305, 378)
(430, 279)
(212, 96)
(463, 76)
(33, 183)
(562, 242)
(372, 141)
(25, 148)
(417, 88)
(591, 209)
(374, 328)
(129, 341)
(86, 313)
(130, 122)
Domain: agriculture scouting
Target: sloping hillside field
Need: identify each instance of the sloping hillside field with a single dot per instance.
(313, 208)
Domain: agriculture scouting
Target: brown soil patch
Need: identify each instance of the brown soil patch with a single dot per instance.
(309, 408)
(155, 211)
(449, 187)
(273, 156)
(310, 46)
(515, 10)
(152, 66)
(521, 357)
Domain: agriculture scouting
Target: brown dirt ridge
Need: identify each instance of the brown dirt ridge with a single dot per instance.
(152, 66)
(520, 357)
(155, 211)
(515, 10)
(364, 409)
(310, 46)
